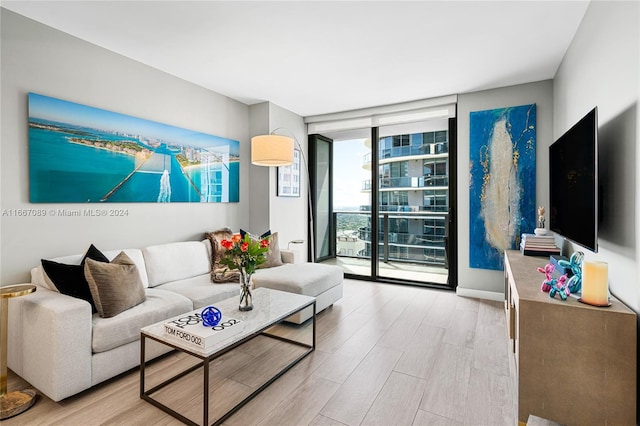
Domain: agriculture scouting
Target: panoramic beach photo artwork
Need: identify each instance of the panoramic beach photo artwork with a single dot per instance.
(81, 154)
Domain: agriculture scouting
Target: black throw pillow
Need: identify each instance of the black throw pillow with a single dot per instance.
(255, 236)
(70, 279)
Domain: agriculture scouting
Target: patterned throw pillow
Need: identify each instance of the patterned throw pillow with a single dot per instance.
(220, 273)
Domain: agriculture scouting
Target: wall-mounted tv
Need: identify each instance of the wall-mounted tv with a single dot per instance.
(573, 183)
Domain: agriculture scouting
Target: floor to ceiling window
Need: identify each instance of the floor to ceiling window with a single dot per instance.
(390, 213)
(390, 202)
(413, 201)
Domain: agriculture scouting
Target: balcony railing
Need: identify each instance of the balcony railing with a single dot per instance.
(426, 247)
(406, 151)
(404, 238)
(408, 182)
(408, 209)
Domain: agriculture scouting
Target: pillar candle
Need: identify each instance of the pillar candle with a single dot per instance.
(595, 282)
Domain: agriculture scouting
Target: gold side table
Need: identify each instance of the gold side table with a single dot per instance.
(12, 403)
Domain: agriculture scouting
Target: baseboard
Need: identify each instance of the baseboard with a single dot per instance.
(480, 294)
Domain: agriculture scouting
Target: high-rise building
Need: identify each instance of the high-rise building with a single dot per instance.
(413, 198)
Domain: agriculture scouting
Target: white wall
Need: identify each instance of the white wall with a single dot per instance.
(259, 176)
(473, 281)
(37, 58)
(601, 68)
(285, 215)
(289, 215)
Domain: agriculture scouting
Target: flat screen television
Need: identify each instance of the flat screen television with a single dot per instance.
(573, 183)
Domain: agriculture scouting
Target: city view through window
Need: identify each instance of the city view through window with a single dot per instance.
(349, 199)
(413, 198)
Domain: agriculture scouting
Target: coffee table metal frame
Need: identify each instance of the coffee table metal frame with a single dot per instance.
(206, 359)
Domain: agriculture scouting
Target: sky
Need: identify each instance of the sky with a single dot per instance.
(348, 173)
(58, 110)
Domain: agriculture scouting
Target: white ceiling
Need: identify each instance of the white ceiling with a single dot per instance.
(328, 56)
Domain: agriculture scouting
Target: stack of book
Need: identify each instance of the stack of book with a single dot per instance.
(190, 330)
(538, 245)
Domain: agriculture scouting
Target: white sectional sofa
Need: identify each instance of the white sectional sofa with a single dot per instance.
(61, 348)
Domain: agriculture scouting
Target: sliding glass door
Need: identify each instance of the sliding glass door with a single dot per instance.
(350, 215)
(413, 201)
(392, 195)
(320, 152)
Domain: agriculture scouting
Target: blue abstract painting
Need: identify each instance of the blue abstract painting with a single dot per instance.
(81, 154)
(502, 182)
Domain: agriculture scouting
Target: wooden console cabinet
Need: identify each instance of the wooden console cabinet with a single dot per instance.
(575, 363)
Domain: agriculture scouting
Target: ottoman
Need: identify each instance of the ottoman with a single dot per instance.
(324, 282)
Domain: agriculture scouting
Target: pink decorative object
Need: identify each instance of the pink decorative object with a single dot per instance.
(547, 284)
(551, 285)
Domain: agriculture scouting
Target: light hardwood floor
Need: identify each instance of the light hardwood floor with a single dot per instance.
(385, 355)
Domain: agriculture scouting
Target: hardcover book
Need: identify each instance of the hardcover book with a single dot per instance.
(189, 328)
(538, 251)
(538, 245)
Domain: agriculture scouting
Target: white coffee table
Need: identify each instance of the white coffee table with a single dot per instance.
(270, 307)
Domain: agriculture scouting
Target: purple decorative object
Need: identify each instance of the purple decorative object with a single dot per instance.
(211, 316)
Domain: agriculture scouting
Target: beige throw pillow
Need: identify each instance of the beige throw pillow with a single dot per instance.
(274, 257)
(115, 286)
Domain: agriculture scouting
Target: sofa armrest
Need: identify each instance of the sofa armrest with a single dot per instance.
(50, 342)
(291, 256)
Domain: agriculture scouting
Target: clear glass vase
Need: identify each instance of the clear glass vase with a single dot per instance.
(246, 301)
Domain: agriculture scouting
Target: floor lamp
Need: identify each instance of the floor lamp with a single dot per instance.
(277, 150)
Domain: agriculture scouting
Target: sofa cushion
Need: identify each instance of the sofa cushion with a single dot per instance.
(69, 279)
(310, 279)
(115, 286)
(110, 333)
(201, 291)
(175, 261)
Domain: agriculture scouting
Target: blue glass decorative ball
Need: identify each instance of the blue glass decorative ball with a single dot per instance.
(211, 316)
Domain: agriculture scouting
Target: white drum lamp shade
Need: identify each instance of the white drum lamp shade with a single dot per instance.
(271, 150)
